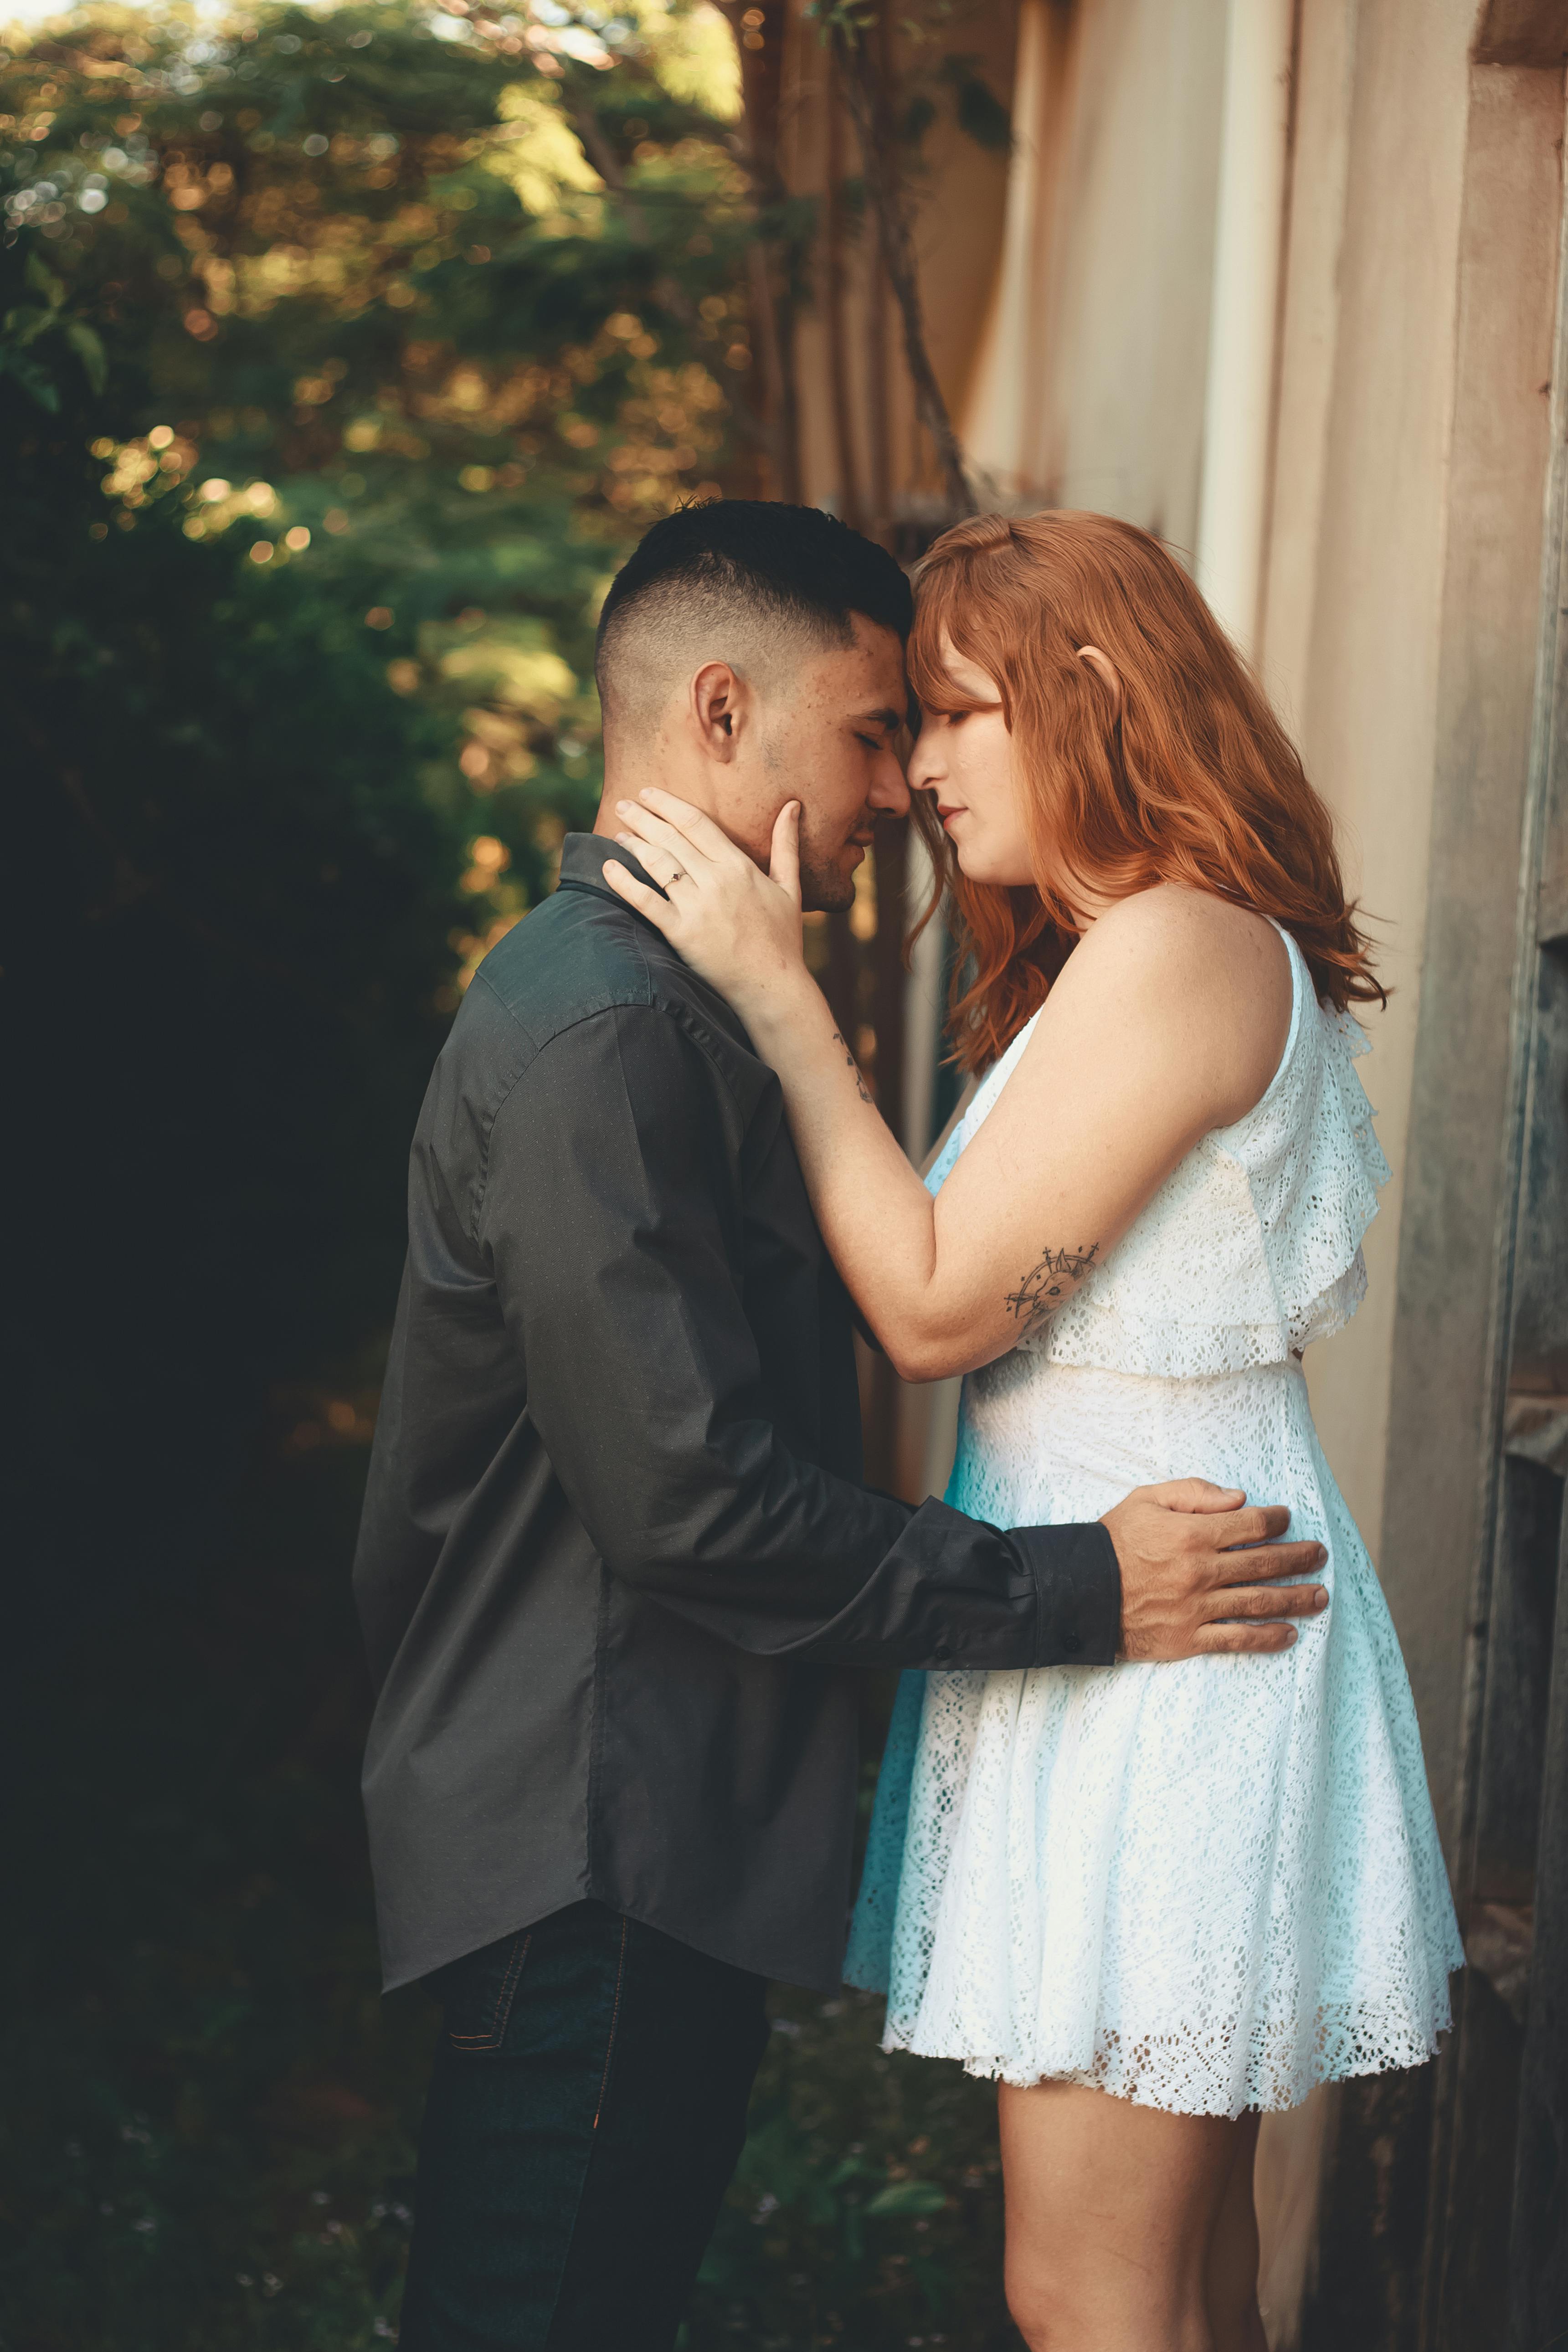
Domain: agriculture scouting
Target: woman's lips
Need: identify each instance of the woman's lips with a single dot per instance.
(944, 813)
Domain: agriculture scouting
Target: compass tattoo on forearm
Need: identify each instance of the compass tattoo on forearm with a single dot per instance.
(1044, 1287)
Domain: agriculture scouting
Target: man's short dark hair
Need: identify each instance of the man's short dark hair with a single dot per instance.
(747, 576)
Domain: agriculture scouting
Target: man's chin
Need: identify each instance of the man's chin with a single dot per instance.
(827, 890)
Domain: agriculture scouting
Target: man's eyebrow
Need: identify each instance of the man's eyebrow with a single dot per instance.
(886, 718)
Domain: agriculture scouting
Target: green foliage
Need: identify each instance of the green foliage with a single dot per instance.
(867, 2210)
(207, 2141)
(334, 377)
(934, 75)
(981, 114)
(366, 283)
(22, 328)
(341, 351)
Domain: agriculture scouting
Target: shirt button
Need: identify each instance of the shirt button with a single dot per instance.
(1072, 1644)
(942, 1653)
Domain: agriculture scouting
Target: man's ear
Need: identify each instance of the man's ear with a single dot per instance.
(1104, 669)
(719, 707)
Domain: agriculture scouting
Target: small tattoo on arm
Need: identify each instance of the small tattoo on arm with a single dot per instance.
(864, 1090)
(1044, 1287)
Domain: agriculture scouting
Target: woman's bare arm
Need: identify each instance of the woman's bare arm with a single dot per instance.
(966, 1095)
(1167, 1022)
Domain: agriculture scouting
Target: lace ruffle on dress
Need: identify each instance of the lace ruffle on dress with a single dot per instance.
(1204, 1887)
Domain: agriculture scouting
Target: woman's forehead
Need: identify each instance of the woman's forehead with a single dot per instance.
(945, 664)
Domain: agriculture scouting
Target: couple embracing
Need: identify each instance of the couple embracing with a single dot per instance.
(1152, 1844)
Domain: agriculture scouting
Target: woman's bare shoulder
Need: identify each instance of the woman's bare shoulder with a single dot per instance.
(1190, 966)
(1194, 938)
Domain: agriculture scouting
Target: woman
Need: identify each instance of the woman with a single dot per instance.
(1152, 1902)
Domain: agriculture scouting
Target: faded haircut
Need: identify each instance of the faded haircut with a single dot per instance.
(745, 580)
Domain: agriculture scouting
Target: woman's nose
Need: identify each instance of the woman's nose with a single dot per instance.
(924, 771)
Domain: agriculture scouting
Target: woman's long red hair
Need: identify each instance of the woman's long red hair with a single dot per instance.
(1192, 780)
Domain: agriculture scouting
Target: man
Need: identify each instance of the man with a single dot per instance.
(616, 1568)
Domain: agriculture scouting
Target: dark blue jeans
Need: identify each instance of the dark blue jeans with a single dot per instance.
(586, 2113)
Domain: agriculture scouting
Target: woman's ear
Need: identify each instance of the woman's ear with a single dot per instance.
(1103, 668)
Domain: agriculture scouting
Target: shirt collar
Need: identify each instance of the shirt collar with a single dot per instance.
(584, 856)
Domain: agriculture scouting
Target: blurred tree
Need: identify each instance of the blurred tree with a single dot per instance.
(342, 351)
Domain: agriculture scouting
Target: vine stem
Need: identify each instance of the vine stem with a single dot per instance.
(866, 98)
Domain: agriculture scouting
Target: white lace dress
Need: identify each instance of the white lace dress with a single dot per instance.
(1204, 1887)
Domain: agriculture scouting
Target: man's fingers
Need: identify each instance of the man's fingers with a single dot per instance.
(1270, 1601)
(783, 863)
(1217, 1641)
(1260, 1523)
(637, 894)
(1267, 1564)
(1194, 1494)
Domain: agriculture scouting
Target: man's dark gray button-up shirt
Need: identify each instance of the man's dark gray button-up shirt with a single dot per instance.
(615, 1569)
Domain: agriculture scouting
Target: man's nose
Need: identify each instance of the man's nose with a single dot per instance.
(889, 789)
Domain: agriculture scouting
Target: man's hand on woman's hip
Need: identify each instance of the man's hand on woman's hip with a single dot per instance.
(1198, 1569)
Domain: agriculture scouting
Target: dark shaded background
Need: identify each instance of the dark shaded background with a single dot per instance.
(334, 381)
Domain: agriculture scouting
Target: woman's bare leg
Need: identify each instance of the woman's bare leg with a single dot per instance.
(1234, 2319)
(1112, 2216)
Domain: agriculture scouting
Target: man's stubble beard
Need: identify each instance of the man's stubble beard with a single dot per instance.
(825, 887)
(824, 890)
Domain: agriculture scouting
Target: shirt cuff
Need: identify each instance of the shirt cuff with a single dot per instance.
(1078, 1582)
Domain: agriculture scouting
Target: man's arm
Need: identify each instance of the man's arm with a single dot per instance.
(612, 1219)
(611, 1222)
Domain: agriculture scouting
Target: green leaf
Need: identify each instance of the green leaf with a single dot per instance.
(42, 280)
(88, 348)
(981, 114)
(853, 2168)
(32, 379)
(907, 2197)
(919, 116)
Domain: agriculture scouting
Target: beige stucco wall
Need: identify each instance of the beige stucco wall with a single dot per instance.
(1106, 339)
(1109, 334)
(1353, 655)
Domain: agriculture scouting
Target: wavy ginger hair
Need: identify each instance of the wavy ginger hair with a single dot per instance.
(1191, 780)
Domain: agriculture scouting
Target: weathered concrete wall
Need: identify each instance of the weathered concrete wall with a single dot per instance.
(1442, 1431)
(1412, 687)
(1113, 347)
(1367, 690)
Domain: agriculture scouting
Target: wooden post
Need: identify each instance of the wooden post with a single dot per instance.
(833, 301)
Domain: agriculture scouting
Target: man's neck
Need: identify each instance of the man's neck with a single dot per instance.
(621, 786)
(623, 782)
(624, 777)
